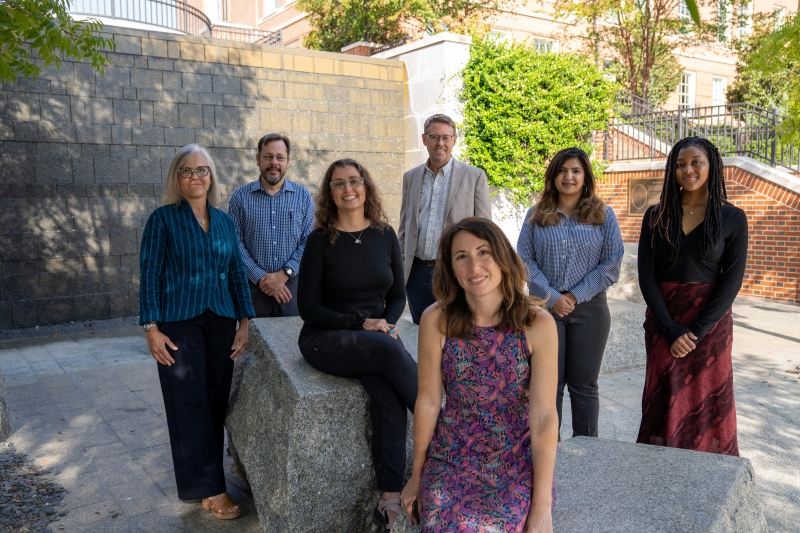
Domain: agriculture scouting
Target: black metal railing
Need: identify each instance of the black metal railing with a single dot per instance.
(736, 129)
(627, 103)
(248, 35)
(172, 14)
(175, 15)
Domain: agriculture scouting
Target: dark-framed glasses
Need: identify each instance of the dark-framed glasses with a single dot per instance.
(352, 182)
(443, 138)
(186, 173)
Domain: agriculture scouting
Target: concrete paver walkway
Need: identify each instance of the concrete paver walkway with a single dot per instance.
(87, 405)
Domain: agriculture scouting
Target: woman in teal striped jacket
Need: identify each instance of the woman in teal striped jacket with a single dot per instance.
(193, 290)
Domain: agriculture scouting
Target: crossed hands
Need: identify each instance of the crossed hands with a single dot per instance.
(564, 305)
(274, 284)
(380, 325)
(683, 345)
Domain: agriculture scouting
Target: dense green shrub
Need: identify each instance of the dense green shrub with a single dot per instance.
(521, 107)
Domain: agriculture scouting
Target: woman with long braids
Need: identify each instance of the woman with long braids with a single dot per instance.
(692, 255)
(572, 248)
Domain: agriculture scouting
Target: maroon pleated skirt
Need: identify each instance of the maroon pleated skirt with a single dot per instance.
(688, 403)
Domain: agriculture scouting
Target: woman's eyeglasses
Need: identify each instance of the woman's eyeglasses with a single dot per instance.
(352, 182)
(186, 173)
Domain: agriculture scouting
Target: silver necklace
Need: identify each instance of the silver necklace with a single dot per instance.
(358, 240)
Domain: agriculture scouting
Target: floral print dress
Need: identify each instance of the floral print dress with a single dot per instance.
(478, 474)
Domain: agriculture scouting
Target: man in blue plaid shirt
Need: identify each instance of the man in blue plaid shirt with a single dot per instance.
(273, 218)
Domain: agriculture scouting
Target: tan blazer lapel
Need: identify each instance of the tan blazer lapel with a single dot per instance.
(414, 191)
(455, 181)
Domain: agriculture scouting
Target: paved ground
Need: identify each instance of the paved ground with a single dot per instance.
(86, 403)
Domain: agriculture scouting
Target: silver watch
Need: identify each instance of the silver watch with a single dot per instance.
(147, 326)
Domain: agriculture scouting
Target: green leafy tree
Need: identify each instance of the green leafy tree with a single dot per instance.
(521, 107)
(765, 88)
(641, 36)
(337, 23)
(777, 59)
(44, 29)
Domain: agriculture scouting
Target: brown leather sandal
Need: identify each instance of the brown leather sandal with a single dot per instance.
(221, 507)
(381, 517)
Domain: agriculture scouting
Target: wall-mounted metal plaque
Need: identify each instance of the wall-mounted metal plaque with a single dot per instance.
(642, 193)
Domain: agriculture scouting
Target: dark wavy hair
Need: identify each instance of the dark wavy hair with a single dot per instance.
(666, 220)
(591, 209)
(517, 309)
(327, 213)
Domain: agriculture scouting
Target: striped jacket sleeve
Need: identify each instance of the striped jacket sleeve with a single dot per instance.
(237, 281)
(151, 265)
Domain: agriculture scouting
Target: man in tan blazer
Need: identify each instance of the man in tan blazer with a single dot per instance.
(435, 194)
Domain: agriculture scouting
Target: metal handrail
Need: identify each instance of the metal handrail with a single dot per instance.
(736, 129)
(248, 35)
(389, 46)
(172, 14)
(627, 103)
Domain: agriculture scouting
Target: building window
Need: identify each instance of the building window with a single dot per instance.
(723, 20)
(746, 18)
(683, 11)
(500, 36)
(543, 46)
(686, 90)
(779, 15)
(224, 15)
(270, 6)
(720, 85)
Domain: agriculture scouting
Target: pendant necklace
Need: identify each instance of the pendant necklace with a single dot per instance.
(358, 240)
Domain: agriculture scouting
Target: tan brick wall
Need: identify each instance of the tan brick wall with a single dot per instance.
(773, 215)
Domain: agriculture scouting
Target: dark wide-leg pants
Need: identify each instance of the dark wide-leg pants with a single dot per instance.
(582, 337)
(196, 389)
(389, 375)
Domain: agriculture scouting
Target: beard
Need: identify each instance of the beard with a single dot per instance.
(271, 179)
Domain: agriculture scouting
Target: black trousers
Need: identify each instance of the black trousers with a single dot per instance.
(389, 375)
(582, 337)
(267, 306)
(419, 290)
(196, 389)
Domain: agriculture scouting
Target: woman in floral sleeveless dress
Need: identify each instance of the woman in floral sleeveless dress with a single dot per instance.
(484, 463)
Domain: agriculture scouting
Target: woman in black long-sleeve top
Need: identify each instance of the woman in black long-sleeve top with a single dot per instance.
(692, 255)
(350, 294)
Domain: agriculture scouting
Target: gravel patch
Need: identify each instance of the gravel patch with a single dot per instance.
(29, 502)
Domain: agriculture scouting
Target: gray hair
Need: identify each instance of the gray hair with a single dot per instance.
(172, 191)
(444, 119)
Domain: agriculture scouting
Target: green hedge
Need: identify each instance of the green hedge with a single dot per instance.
(521, 107)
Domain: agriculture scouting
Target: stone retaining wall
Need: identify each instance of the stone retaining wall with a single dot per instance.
(83, 155)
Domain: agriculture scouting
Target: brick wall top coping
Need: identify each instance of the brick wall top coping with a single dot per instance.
(114, 31)
(773, 175)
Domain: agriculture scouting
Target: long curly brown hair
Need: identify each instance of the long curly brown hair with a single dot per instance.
(591, 209)
(517, 309)
(327, 213)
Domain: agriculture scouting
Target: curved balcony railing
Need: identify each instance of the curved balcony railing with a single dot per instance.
(175, 15)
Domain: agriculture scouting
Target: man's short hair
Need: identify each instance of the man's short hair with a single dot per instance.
(444, 119)
(268, 138)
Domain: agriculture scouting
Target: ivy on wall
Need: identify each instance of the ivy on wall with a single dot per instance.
(521, 107)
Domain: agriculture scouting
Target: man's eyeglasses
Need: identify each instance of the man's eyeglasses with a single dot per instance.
(270, 157)
(186, 173)
(352, 182)
(444, 138)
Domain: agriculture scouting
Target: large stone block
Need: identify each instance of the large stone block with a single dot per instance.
(627, 287)
(625, 347)
(604, 485)
(5, 420)
(303, 437)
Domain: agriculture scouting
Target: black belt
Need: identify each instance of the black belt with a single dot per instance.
(426, 262)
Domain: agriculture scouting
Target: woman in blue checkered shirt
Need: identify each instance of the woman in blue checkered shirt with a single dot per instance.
(572, 248)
